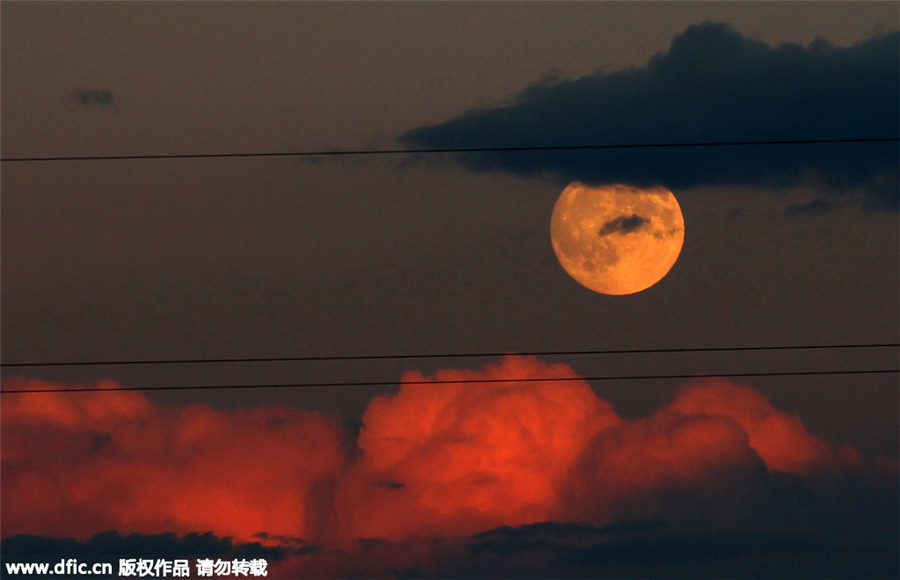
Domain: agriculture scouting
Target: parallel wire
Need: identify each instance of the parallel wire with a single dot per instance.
(455, 382)
(339, 152)
(445, 355)
(448, 355)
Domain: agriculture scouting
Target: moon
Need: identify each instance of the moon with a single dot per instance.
(616, 239)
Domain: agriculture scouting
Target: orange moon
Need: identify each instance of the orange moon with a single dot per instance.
(616, 239)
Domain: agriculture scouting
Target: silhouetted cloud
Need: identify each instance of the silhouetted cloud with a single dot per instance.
(510, 539)
(815, 207)
(170, 545)
(296, 546)
(622, 225)
(713, 85)
(391, 484)
(585, 550)
(100, 97)
(650, 548)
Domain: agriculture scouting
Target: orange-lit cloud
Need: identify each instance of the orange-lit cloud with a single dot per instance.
(680, 467)
(780, 439)
(447, 458)
(456, 458)
(78, 463)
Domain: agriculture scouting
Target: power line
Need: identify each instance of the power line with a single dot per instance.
(445, 382)
(359, 152)
(447, 355)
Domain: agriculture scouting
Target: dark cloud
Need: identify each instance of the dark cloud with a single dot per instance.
(100, 97)
(656, 548)
(649, 548)
(622, 225)
(815, 207)
(285, 540)
(391, 484)
(511, 539)
(713, 85)
(621, 551)
(205, 545)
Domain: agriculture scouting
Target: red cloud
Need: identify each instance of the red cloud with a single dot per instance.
(780, 439)
(462, 457)
(78, 463)
(679, 467)
(440, 459)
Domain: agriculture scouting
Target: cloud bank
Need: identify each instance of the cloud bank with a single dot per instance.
(713, 85)
(453, 479)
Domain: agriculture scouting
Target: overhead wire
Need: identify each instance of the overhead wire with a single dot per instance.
(359, 152)
(448, 355)
(451, 381)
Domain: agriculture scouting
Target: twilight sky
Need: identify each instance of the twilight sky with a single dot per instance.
(419, 254)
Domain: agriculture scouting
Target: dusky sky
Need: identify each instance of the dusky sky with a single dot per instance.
(287, 256)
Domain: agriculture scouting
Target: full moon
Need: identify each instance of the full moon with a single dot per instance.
(616, 239)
